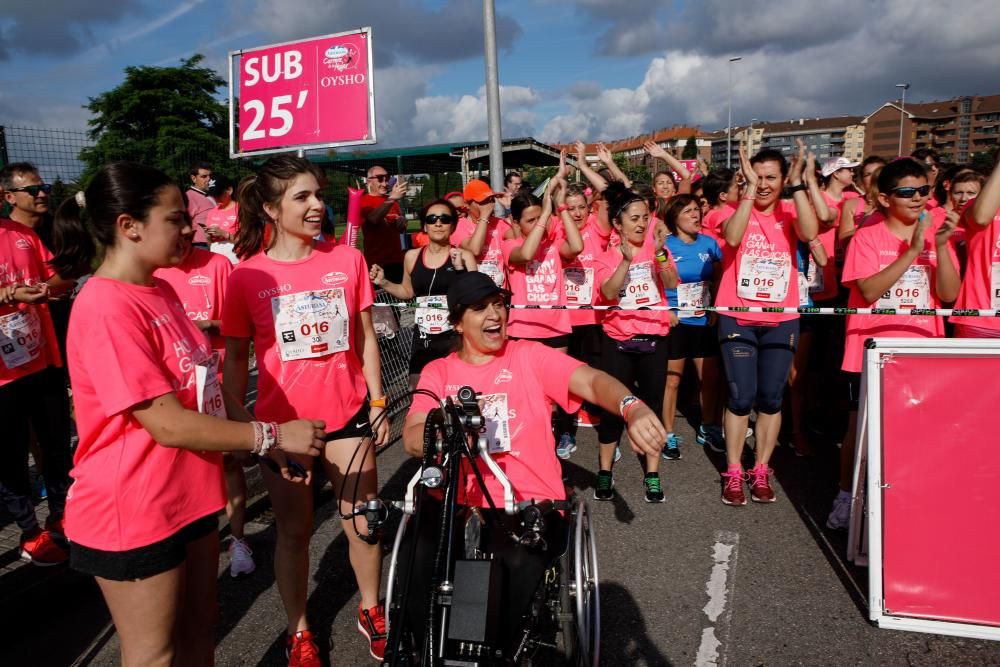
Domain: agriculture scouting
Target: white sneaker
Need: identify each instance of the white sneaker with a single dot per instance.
(240, 558)
(840, 515)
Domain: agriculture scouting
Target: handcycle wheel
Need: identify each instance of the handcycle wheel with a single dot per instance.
(584, 588)
(390, 588)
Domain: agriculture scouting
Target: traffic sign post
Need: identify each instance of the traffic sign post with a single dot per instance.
(310, 93)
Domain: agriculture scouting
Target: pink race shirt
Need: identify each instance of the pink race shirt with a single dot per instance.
(518, 386)
(200, 283)
(226, 219)
(981, 284)
(642, 287)
(538, 282)
(128, 344)
(199, 206)
(872, 249)
(491, 260)
(762, 270)
(578, 276)
(711, 223)
(827, 286)
(302, 317)
(27, 338)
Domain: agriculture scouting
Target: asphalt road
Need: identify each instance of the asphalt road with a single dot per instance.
(686, 582)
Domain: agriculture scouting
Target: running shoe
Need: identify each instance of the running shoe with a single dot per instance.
(654, 492)
(566, 446)
(240, 558)
(586, 419)
(371, 623)
(710, 435)
(38, 488)
(760, 484)
(605, 489)
(55, 528)
(840, 515)
(732, 486)
(618, 454)
(302, 650)
(38, 548)
(672, 449)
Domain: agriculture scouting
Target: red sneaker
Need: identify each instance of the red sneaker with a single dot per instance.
(587, 420)
(302, 650)
(38, 548)
(56, 528)
(760, 484)
(732, 486)
(371, 623)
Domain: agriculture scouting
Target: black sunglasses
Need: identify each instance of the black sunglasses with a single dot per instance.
(434, 218)
(33, 190)
(908, 192)
(380, 178)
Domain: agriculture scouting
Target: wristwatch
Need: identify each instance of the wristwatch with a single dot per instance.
(801, 187)
(625, 402)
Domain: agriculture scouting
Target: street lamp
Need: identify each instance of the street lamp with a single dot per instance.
(750, 136)
(902, 115)
(729, 125)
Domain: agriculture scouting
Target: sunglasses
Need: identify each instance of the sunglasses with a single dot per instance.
(33, 190)
(434, 218)
(908, 192)
(381, 178)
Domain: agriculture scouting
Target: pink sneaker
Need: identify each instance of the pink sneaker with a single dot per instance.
(760, 484)
(732, 486)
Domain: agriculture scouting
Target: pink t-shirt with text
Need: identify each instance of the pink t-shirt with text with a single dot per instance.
(226, 219)
(200, 283)
(642, 286)
(595, 242)
(538, 282)
(128, 344)
(872, 249)
(527, 377)
(981, 284)
(328, 386)
(828, 236)
(490, 260)
(711, 223)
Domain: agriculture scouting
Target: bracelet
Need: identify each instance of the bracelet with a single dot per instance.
(816, 242)
(628, 408)
(258, 437)
(276, 428)
(562, 208)
(377, 402)
(626, 403)
(662, 257)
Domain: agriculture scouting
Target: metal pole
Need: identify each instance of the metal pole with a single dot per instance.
(729, 124)
(493, 96)
(902, 116)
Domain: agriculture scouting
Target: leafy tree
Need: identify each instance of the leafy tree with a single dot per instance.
(167, 117)
(690, 149)
(635, 172)
(984, 161)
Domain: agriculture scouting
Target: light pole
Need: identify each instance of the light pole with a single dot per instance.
(902, 115)
(729, 124)
(493, 97)
(750, 136)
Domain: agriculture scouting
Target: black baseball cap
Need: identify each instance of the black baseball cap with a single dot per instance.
(470, 288)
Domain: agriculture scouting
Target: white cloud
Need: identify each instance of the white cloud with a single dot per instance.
(442, 119)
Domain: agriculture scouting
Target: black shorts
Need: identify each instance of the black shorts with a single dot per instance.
(141, 562)
(853, 382)
(426, 350)
(555, 342)
(356, 427)
(690, 341)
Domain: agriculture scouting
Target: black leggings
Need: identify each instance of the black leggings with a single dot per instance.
(645, 372)
(757, 361)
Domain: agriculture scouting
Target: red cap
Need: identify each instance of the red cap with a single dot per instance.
(477, 191)
(454, 193)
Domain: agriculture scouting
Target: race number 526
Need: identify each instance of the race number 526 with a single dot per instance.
(271, 117)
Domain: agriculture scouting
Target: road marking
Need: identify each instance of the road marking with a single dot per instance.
(719, 588)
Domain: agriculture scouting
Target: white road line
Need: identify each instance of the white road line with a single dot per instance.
(720, 600)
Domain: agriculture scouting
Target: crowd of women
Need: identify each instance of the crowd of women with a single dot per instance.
(161, 336)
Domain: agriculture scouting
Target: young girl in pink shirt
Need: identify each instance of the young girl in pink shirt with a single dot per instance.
(981, 285)
(148, 469)
(306, 305)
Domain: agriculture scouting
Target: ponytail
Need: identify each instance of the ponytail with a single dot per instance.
(72, 241)
(252, 219)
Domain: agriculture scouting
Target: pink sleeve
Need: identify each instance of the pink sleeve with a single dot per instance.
(366, 295)
(507, 247)
(861, 260)
(224, 269)
(553, 370)
(432, 380)
(237, 321)
(121, 363)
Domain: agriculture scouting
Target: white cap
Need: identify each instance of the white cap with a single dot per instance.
(836, 163)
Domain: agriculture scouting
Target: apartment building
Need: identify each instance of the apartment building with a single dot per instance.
(826, 137)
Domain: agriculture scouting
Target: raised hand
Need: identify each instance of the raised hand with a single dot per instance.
(377, 275)
(749, 177)
(655, 150)
(398, 190)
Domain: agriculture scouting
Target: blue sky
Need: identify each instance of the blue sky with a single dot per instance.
(589, 69)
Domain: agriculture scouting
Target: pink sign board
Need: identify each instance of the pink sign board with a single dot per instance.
(312, 93)
(940, 454)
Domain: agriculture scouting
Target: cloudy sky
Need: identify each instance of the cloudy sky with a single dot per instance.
(593, 69)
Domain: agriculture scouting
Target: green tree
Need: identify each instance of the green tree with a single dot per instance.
(690, 149)
(983, 161)
(637, 173)
(167, 117)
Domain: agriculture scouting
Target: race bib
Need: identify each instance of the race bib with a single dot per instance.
(691, 298)
(578, 284)
(995, 285)
(492, 269)
(803, 290)
(639, 288)
(912, 290)
(20, 337)
(814, 277)
(431, 315)
(497, 418)
(310, 324)
(209, 391)
(764, 278)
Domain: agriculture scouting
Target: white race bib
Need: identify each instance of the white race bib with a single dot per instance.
(209, 392)
(803, 290)
(21, 337)
(995, 285)
(912, 290)
(578, 284)
(815, 277)
(492, 269)
(764, 278)
(497, 419)
(431, 315)
(639, 288)
(691, 298)
(310, 324)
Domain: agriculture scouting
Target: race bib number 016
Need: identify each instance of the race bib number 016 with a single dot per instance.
(310, 324)
(639, 288)
(492, 269)
(431, 315)
(20, 337)
(764, 278)
(691, 298)
(209, 392)
(578, 284)
(912, 290)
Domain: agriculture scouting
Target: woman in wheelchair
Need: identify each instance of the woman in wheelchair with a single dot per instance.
(516, 383)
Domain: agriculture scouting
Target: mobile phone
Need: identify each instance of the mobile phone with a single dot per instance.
(392, 183)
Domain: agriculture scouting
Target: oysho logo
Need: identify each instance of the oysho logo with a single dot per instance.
(22, 244)
(334, 278)
(341, 57)
(503, 376)
(310, 304)
(199, 280)
(274, 291)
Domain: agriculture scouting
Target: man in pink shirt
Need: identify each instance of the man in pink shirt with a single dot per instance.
(199, 204)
